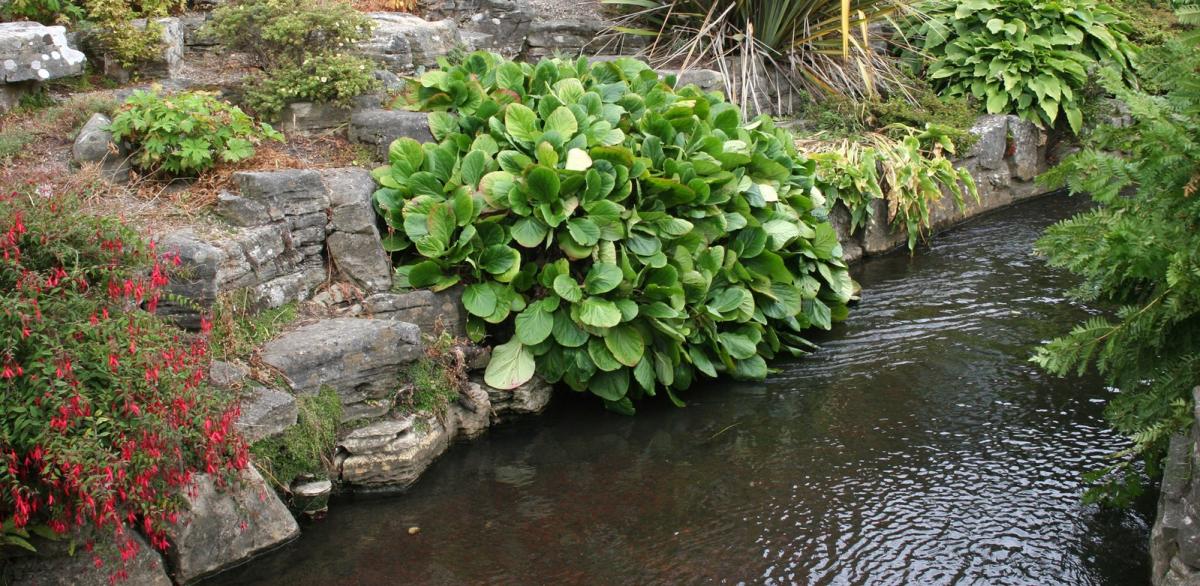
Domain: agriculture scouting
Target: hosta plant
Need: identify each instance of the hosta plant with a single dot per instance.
(1025, 57)
(186, 133)
(610, 232)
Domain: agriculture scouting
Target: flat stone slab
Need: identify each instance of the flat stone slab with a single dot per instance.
(531, 397)
(265, 413)
(223, 526)
(361, 359)
(33, 52)
(378, 436)
(401, 465)
(378, 128)
(429, 310)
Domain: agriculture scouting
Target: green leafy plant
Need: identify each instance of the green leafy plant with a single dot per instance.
(901, 165)
(1140, 251)
(333, 78)
(611, 233)
(238, 329)
(187, 132)
(43, 11)
(303, 48)
(1025, 57)
(112, 31)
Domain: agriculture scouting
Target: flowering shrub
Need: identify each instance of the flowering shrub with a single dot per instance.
(104, 417)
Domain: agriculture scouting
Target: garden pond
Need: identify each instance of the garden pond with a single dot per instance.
(918, 445)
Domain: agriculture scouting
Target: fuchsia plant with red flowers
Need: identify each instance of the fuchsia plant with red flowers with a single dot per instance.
(104, 412)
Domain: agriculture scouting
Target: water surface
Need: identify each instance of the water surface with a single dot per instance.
(918, 446)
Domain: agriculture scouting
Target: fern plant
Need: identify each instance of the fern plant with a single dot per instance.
(1139, 251)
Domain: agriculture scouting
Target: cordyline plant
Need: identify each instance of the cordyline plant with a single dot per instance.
(104, 417)
(611, 232)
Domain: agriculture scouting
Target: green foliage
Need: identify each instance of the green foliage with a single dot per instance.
(238, 330)
(436, 379)
(304, 448)
(113, 31)
(43, 11)
(287, 32)
(334, 78)
(302, 48)
(12, 142)
(186, 133)
(612, 233)
(911, 173)
(1025, 57)
(1139, 251)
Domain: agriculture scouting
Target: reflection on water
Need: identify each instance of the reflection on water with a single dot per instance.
(918, 446)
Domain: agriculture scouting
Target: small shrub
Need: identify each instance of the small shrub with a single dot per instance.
(288, 32)
(113, 32)
(104, 417)
(334, 78)
(302, 49)
(612, 233)
(1025, 57)
(186, 133)
(304, 448)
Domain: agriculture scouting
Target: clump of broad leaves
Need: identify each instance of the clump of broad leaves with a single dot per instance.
(612, 233)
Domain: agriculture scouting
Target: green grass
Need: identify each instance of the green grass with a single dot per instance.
(238, 331)
(305, 448)
(12, 142)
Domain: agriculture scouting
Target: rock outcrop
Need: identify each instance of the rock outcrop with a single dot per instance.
(31, 53)
(1175, 537)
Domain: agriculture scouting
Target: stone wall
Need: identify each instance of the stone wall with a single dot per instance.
(1175, 538)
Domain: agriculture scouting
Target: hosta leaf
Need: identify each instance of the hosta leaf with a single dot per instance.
(511, 365)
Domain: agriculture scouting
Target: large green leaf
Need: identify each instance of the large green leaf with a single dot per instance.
(534, 325)
(479, 299)
(626, 344)
(511, 365)
(567, 288)
(598, 312)
(602, 278)
(521, 123)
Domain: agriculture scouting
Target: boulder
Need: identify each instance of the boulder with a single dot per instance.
(266, 413)
(403, 42)
(361, 259)
(992, 144)
(308, 116)
(378, 128)
(290, 192)
(354, 244)
(54, 566)
(398, 464)
(296, 286)
(95, 145)
(227, 375)
(432, 312)
(242, 211)
(1026, 140)
(472, 412)
(709, 80)
(222, 526)
(531, 397)
(548, 37)
(386, 435)
(166, 63)
(361, 359)
(33, 52)
(197, 281)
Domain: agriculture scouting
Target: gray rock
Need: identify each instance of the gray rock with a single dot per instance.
(840, 219)
(94, 144)
(265, 413)
(282, 290)
(1026, 139)
(389, 435)
(308, 116)
(548, 37)
(472, 413)
(378, 128)
(708, 80)
(224, 526)
(402, 42)
(880, 236)
(350, 194)
(227, 375)
(54, 566)
(989, 150)
(198, 280)
(313, 220)
(390, 81)
(361, 259)
(432, 312)
(33, 52)
(241, 211)
(167, 62)
(531, 397)
(399, 468)
(193, 31)
(291, 192)
(361, 359)
(500, 25)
